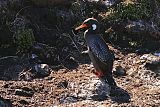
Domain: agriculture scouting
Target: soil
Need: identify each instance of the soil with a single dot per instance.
(139, 85)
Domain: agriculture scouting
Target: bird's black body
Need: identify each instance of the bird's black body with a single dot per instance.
(99, 53)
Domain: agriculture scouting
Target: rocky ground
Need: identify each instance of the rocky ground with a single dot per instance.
(137, 76)
(31, 79)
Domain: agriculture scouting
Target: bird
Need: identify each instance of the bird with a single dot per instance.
(100, 54)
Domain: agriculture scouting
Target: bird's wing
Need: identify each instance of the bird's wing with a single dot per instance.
(100, 49)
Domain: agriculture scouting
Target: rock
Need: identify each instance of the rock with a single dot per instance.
(23, 102)
(46, 3)
(150, 58)
(120, 95)
(152, 62)
(101, 92)
(26, 75)
(68, 99)
(25, 91)
(5, 102)
(157, 54)
(35, 71)
(42, 70)
(10, 67)
(119, 71)
(109, 2)
(34, 59)
(144, 57)
(7, 85)
(33, 56)
(104, 2)
(43, 53)
(154, 66)
(63, 84)
(94, 89)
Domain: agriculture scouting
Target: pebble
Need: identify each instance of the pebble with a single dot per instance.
(23, 102)
(119, 71)
(26, 92)
(63, 84)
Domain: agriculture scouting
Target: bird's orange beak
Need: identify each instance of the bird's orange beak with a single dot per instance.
(81, 27)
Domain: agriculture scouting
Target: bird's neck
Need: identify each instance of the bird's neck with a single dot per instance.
(90, 31)
(89, 34)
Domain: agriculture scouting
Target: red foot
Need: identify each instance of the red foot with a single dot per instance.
(99, 74)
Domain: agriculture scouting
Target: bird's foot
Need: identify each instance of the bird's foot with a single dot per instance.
(113, 87)
(104, 81)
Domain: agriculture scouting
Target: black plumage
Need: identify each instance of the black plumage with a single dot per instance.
(99, 53)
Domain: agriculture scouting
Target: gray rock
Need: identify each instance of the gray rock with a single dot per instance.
(24, 102)
(42, 70)
(68, 99)
(25, 91)
(5, 102)
(63, 84)
(119, 71)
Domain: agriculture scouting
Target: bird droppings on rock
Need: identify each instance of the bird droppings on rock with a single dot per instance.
(94, 89)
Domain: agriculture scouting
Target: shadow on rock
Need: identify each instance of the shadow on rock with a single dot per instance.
(22, 68)
(5, 102)
(119, 95)
(99, 98)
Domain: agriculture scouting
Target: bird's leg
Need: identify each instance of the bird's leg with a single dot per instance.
(100, 75)
(110, 80)
(105, 78)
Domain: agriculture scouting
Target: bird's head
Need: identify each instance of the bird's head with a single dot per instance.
(89, 24)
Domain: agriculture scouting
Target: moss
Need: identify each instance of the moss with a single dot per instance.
(24, 39)
(140, 9)
(76, 7)
(128, 10)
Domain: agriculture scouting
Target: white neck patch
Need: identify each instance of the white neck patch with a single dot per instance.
(94, 26)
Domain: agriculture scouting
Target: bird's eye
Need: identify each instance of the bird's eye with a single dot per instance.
(94, 26)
